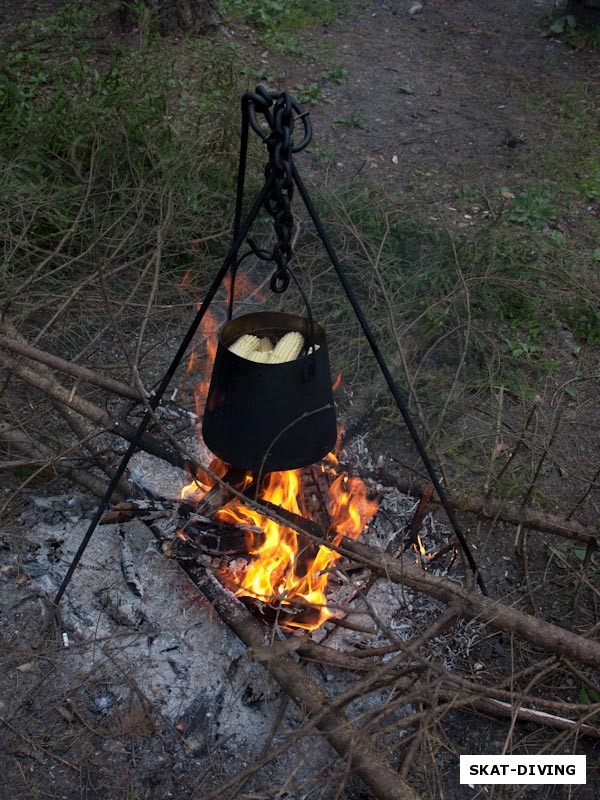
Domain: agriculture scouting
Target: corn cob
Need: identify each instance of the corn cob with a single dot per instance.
(244, 345)
(288, 348)
(265, 345)
(258, 355)
(309, 351)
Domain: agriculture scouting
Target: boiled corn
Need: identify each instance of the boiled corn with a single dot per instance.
(260, 356)
(265, 345)
(244, 345)
(288, 348)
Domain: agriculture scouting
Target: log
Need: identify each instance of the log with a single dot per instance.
(500, 511)
(538, 632)
(83, 374)
(96, 415)
(23, 444)
(336, 727)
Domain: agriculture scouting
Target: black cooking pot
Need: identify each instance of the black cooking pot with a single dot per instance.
(270, 416)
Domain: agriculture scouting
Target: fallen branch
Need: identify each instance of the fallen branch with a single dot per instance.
(83, 374)
(538, 632)
(499, 708)
(500, 511)
(339, 731)
(45, 460)
(101, 418)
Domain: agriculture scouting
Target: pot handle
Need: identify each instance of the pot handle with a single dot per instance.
(310, 367)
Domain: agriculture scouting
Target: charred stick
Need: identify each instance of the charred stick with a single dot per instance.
(216, 539)
(419, 516)
(142, 509)
(308, 525)
(220, 493)
(128, 565)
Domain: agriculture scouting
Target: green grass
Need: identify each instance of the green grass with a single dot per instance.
(94, 153)
(99, 154)
(281, 24)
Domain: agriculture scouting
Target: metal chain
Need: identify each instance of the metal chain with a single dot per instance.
(278, 136)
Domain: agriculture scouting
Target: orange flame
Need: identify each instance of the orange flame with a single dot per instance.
(287, 568)
(244, 287)
(209, 330)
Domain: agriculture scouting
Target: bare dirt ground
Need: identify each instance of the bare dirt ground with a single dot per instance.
(432, 103)
(445, 93)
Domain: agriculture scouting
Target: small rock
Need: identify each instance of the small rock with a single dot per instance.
(416, 8)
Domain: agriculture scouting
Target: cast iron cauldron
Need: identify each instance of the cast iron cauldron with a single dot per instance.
(258, 416)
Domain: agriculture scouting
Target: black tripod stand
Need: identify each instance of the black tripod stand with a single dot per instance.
(280, 113)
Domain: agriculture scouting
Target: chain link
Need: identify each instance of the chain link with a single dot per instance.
(278, 136)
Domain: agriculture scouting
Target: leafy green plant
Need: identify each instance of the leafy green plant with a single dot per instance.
(312, 94)
(520, 349)
(335, 76)
(260, 75)
(355, 120)
(277, 21)
(588, 182)
(534, 210)
(566, 23)
(326, 155)
(584, 37)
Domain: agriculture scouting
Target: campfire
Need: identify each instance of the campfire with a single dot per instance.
(286, 569)
(282, 568)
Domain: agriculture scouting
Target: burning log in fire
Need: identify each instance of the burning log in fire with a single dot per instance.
(284, 570)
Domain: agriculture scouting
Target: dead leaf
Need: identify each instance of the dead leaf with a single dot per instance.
(276, 649)
(500, 449)
(18, 752)
(65, 714)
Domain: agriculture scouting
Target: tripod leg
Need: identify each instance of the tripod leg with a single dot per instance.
(156, 397)
(353, 300)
